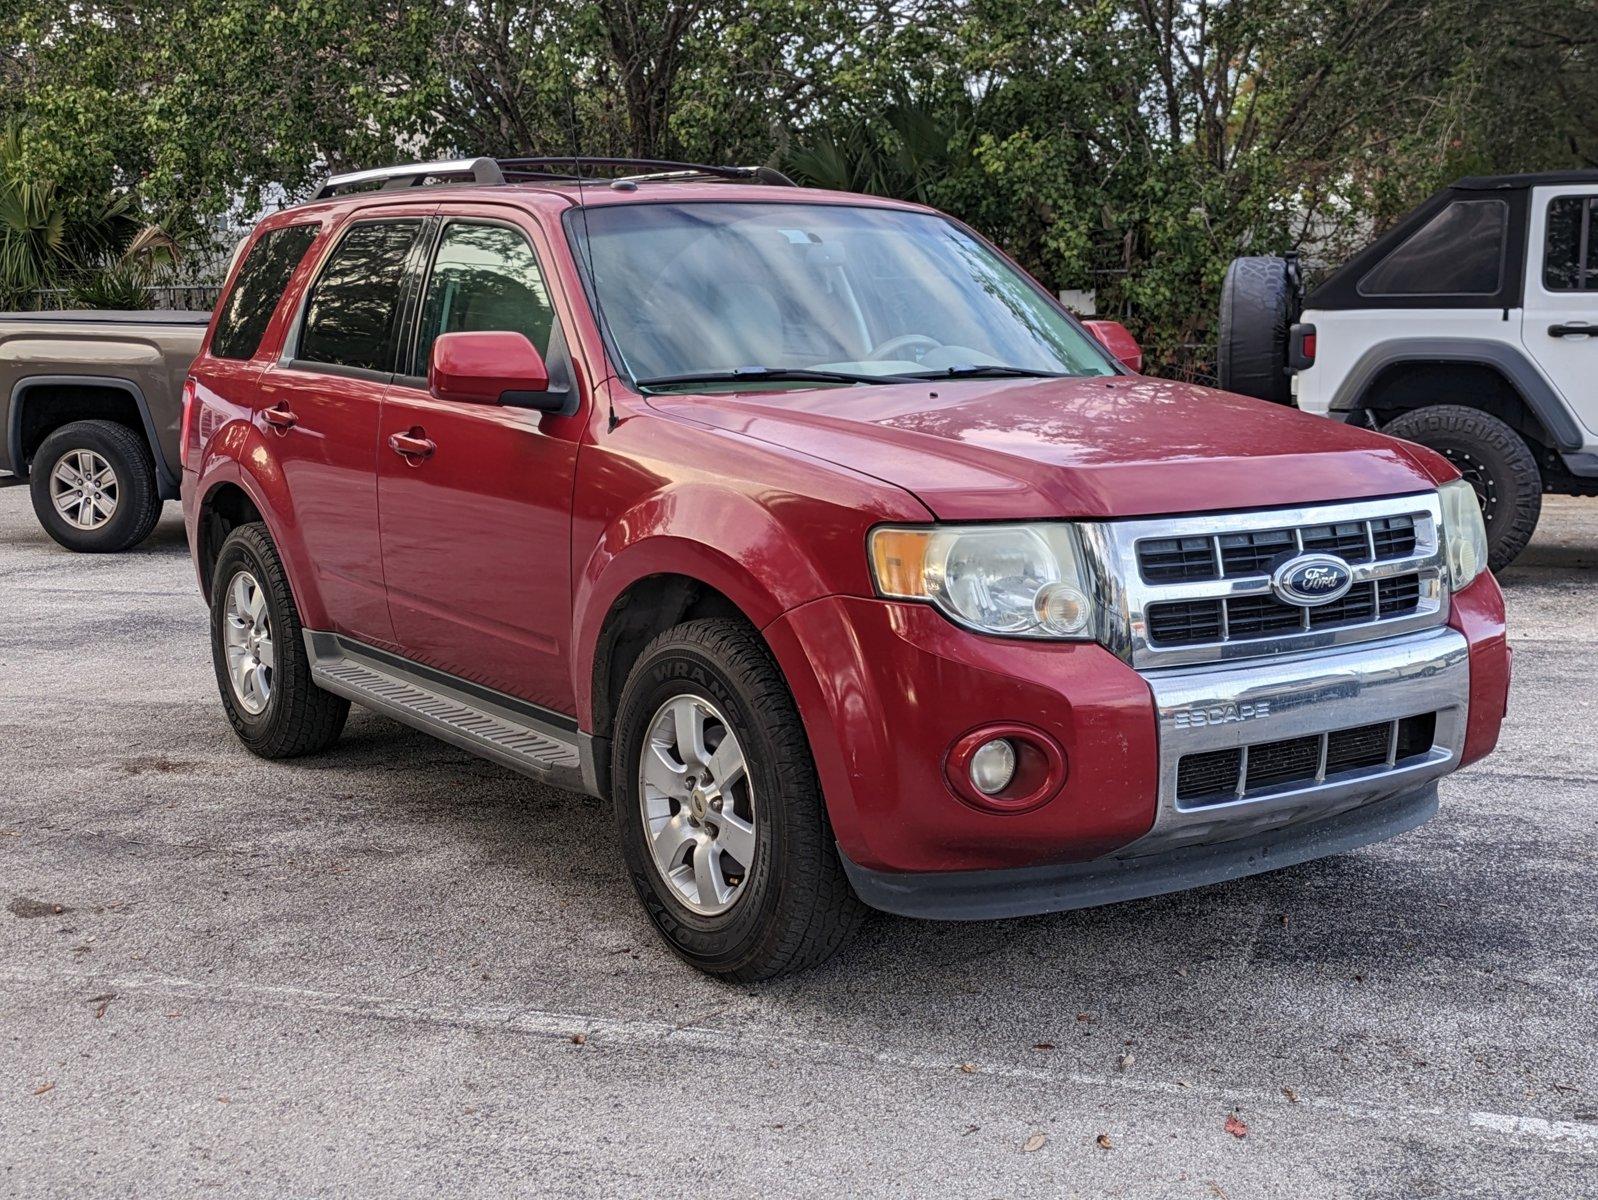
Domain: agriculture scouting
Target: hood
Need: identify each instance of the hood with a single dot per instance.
(1093, 448)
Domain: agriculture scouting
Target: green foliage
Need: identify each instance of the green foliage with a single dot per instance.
(1129, 146)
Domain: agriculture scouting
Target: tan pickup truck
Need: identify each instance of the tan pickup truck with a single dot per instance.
(90, 409)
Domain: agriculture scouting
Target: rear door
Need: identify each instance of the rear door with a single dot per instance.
(1562, 294)
(477, 534)
(320, 405)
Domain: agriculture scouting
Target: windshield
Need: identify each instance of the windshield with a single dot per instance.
(778, 294)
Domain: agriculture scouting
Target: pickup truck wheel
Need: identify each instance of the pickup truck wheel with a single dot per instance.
(93, 486)
(258, 651)
(1494, 459)
(724, 828)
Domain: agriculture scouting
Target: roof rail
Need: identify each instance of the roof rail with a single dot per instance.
(656, 169)
(483, 171)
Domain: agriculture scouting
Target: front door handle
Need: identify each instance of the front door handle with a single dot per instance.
(280, 418)
(1567, 330)
(413, 446)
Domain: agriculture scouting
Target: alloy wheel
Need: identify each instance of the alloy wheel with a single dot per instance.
(247, 630)
(84, 488)
(698, 805)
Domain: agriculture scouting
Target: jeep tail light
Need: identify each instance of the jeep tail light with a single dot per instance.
(1301, 347)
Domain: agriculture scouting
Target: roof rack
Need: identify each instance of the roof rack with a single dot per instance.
(492, 172)
(484, 171)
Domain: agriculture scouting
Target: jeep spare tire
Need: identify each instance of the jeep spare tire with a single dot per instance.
(1257, 305)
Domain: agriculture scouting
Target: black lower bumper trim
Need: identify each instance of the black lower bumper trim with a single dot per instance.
(1024, 891)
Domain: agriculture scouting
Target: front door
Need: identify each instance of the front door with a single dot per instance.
(476, 530)
(320, 406)
(1562, 294)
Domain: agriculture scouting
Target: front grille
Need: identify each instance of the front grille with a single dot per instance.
(1193, 622)
(1215, 776)
(1194, 558)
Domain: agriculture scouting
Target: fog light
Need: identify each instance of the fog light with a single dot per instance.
(993, 766)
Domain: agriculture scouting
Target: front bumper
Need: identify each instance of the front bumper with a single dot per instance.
(988, 895)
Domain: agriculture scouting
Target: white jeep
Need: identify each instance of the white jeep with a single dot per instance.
(1471, 327)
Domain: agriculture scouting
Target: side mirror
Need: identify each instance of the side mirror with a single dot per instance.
(490, 367)
(1112, 335)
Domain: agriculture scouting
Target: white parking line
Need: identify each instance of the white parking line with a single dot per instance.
(1577, 1136)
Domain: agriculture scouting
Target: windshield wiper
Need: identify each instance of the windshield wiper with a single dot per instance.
(773, 374)
(985, 371)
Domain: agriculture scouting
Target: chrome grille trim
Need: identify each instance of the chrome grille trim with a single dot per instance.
(1114, 544)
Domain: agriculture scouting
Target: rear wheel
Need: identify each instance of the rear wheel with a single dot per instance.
(724, 829)
(94, 488)
(1494, 459)
(258, 651)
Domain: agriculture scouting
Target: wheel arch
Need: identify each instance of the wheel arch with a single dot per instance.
(38, 400)
(230, 496)
(1403, 375)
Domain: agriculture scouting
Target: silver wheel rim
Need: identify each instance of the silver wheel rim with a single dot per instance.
(247, 634)
(84, 489)
(698, 805)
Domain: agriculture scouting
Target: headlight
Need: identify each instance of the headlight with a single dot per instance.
(1464, 533)
(1018, 580)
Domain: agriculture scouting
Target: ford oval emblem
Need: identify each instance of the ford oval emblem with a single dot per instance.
(1312, 579)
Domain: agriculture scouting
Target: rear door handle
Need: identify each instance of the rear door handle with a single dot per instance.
(1567, 330)
(280, 418)
(413, 445)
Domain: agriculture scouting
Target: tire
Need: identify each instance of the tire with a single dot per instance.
(123, 479)
(1257, 310)
(290, 715)
(1496, 461)
(791, 907)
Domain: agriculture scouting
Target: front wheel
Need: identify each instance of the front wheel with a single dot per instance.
(1494, 459)
(723, 825)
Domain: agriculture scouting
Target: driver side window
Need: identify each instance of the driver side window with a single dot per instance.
(484, 278)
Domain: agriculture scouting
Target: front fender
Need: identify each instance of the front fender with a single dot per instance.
(720, 537)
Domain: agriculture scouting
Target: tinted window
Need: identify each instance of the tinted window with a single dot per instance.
(244, 315)
(1570, 261)
(484, 277)
(1459, 252)
(349, 319)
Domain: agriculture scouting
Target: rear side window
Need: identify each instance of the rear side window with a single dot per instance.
(484, 277)
(1459, 252)
(1570, 260)
(249, 306)
(350, 316)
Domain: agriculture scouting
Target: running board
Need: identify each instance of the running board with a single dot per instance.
(544, 745)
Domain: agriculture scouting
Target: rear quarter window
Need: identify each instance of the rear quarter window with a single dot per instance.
(1459, 252)
(243, 317)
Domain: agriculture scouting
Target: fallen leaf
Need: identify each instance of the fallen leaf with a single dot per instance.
(172, 1016)
(1290, 1094)
(43, 1088)
(1125, 1061)
(1084, 1016)
(223, 1100)
(1035, 1143)
(970, 1129)
(579, 1039)
(1284, 920)
(1104, 1142)
(1235, 1126)
(1181, 971)
(968, 1068)
(1050, 1046)
(1215, 1190)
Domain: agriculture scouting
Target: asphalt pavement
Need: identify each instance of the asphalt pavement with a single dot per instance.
(399, 971)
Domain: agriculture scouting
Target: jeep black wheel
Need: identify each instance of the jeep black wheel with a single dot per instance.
(724, 829)
(258, 650)
(1496, 462)
(94, 489)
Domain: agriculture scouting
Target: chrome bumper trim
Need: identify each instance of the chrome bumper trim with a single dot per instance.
(1216, 708)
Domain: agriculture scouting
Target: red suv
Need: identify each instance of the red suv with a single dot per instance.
(821, 539)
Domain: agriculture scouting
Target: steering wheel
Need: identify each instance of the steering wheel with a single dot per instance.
(889, 348)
